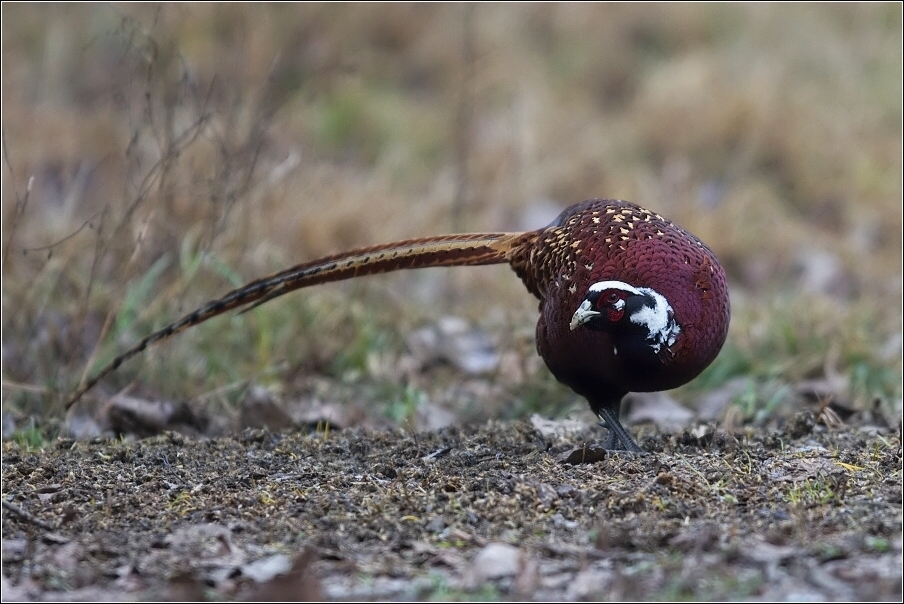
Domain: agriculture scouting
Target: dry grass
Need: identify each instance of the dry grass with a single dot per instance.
(155, 155)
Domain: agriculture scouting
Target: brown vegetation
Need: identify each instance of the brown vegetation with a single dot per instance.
(157, 155)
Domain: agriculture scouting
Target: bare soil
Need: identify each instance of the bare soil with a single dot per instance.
(799, 511)
(157, 155)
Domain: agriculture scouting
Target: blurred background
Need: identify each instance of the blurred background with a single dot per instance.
(156, 156)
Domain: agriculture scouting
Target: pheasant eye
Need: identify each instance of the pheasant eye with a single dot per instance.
(607, 299)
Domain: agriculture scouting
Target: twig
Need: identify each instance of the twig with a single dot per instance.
(108, 321)
(463, 122)
(50, 246)
(26, 516)
(20, 204)
(24, 387)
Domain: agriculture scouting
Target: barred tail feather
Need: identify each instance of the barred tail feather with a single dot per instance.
(445, 250)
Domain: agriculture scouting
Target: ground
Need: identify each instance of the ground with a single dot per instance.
(384, 437)
(488, 511)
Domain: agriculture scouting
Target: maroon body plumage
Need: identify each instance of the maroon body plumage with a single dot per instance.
(628, 300)
(625, 246)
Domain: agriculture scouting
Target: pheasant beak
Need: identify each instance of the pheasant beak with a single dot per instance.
(583, 314)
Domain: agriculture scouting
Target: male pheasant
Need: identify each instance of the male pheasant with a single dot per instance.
(629, 301)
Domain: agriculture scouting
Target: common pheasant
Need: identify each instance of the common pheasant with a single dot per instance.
(629, 301)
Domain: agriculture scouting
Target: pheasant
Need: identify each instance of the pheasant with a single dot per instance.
(629, 301)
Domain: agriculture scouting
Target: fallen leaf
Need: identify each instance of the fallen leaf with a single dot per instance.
(265, 569)
(585, 454)
(658, 408)
(297, 583)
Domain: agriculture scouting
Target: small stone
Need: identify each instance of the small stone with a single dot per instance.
(496, 560)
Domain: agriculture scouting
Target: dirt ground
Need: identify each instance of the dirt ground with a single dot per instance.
(799, 511)
(156, 156)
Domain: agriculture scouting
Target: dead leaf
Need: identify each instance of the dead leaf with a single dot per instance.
(142, 417)
(658, 408)
(265, 569)
(298, 583)
(585, 454)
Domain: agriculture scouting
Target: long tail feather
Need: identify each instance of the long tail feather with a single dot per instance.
(446, 250)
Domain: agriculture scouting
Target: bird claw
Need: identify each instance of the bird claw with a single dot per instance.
(615, 444)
